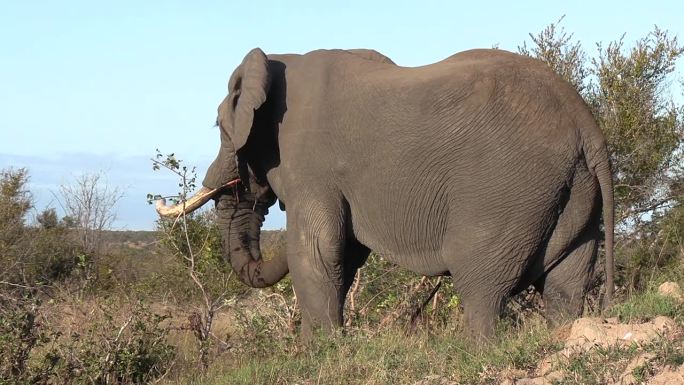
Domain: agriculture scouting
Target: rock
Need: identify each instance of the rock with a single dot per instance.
(668, 377)
(589, 332)
(671, 289)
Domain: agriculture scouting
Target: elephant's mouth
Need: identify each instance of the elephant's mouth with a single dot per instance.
(196, 201)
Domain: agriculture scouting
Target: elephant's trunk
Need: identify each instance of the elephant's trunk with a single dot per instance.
(240, 226)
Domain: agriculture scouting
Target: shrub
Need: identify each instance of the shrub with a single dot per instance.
(22, 336)
(112, 350)
(108, 349)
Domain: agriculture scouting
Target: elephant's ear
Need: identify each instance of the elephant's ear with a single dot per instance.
(247, 91)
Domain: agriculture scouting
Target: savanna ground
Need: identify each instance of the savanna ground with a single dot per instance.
(140, 333)
(83, 305)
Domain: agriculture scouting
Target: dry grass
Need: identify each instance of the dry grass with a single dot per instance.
(254, 343)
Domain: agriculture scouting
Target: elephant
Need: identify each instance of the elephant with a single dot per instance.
(486, 166)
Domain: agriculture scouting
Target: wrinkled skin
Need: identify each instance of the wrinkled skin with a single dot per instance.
(485, 166)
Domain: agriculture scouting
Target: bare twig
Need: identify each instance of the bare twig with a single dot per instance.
(355, 290)
(419, 309)
(16, 285)
(115, 341)
(653, 206)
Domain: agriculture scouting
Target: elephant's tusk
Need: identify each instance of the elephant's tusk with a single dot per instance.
(191, 204)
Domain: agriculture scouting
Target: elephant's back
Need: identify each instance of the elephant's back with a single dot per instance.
(482, 60)
(467, 68)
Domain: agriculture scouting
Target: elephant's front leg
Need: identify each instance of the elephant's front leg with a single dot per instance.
(315, 244)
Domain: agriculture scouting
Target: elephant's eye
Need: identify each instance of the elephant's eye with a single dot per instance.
(216, 124)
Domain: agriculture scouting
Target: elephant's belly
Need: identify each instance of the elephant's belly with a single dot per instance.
(403, 231)
(418, 260)
(429, 264)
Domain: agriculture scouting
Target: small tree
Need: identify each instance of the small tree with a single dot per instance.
(15, 203)
(31, 255)
(54, 252)
(90, 203)
(195, 240)
(642, 123)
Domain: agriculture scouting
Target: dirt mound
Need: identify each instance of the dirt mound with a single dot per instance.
(588, 334)
(668, 376)
(671, 289)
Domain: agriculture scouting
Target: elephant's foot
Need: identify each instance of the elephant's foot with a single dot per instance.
(312, 329)
(564, 287)
(321, 313)
(562, 307)
(481, 314)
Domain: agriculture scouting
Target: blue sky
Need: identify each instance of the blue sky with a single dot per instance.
(87, 86)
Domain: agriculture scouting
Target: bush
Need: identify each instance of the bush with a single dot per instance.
(32, 256)
(22, 336)
(115, 351)
(108, 350)
(658, 247)
(385, 294)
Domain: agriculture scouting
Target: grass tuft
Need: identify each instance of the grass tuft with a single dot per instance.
(646, 306)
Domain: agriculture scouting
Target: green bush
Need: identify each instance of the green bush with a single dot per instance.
(645, 306)
(658, 248)
(32, 255)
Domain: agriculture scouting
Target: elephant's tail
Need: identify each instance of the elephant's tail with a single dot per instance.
(598, 161)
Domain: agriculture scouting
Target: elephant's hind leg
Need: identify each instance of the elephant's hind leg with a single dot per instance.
(565, 285)
(485, 285)
(571, 251)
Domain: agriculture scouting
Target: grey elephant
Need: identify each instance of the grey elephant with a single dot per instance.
(485, 166)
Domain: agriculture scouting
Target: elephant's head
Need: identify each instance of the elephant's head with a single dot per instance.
(241, 205)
